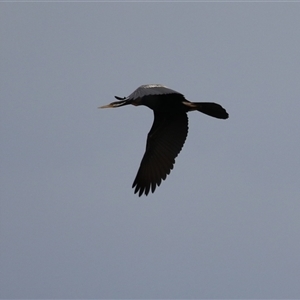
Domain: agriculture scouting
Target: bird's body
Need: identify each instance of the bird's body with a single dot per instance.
(168, 132)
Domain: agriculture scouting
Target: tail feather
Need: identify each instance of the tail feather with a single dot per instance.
(211, 109)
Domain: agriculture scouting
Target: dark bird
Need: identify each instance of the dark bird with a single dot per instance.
(168, 132)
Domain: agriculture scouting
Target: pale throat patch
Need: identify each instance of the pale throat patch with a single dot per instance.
(191, 105)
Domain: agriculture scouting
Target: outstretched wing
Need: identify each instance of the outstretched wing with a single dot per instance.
(164, 142)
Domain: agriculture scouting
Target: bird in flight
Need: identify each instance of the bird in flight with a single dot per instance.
(168, 132)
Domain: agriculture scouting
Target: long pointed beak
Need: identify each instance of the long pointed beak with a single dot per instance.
(123, 102)
(107, 106)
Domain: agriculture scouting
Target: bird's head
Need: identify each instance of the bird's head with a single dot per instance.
(121, 102)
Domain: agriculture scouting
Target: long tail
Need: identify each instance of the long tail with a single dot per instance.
(209, 108)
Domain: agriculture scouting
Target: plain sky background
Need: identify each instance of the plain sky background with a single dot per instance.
(225, 223)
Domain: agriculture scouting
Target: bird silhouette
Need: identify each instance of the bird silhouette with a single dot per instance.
(168, 132)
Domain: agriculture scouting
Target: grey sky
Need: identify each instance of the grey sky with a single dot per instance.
(225, 223)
